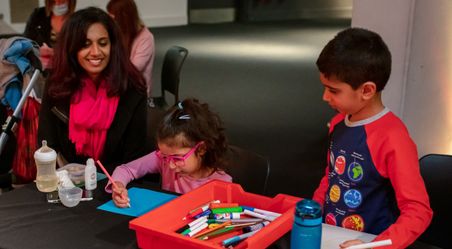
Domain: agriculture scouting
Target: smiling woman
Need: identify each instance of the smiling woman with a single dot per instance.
(94, 105)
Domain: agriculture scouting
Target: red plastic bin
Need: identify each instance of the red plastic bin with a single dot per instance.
(156, 229)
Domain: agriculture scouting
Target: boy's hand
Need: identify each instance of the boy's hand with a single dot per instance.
(119, 195)
(348, 243)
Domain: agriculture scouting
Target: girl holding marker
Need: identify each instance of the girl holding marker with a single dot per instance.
(191, 145)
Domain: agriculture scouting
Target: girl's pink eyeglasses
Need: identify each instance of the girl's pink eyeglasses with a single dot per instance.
(177, 160)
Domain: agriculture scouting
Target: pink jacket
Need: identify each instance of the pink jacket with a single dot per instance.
(171, 181)
(142, 55)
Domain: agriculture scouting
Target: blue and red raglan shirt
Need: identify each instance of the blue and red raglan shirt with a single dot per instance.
(372, 182)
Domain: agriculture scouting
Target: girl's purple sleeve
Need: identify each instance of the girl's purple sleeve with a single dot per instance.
(138, 168)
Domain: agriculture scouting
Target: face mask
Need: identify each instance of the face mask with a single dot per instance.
(60, 9)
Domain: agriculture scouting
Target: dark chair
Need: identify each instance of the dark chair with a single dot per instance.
(248, 169)
(170, 79)
(437, 173)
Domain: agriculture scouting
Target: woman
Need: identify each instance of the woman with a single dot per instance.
(45, 23)
(137, 38)
(95, 103)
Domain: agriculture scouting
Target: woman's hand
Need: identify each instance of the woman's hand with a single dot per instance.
(119, 195)
(348, 243)
(46, 55)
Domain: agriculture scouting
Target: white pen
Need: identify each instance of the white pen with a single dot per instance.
(374, 244)
(257, 215)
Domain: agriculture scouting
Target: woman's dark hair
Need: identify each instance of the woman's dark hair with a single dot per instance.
(190, 122)
(125, 13)
(355, 56)
(65, 76)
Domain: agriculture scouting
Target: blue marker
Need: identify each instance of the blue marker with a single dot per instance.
(205, 213)
(235, 239)
(255, 227)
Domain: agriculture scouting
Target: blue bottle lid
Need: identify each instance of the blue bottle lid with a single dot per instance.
(308, 209)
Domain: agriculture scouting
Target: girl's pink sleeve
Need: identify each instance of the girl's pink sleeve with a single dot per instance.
(138, 168)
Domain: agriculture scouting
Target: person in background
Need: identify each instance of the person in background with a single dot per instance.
(192, 146)
(372, 182)
(45, 23)
(94, 104)
(137, 38)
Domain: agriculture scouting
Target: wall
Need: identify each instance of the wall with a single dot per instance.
(155, 13)
(262, 10)
(419, 91)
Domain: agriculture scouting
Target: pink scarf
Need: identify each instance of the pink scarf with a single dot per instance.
(90, 116)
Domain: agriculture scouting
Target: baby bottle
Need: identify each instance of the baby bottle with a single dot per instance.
(46, 177)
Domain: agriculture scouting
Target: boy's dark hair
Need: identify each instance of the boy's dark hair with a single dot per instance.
(195, 122)
(355, 56)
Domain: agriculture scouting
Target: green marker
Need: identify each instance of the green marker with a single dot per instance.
(227, 210)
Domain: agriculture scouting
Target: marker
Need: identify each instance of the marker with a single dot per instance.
(227, 210)
(374, 244)
(226, 216)
(255, 227)
(203, 214)
(257, 215)
(234, 239)
(199, 210)
(192, 224)
(260, 211)
(197, 230)
(223, 205)
(194, 227)
(212, 229)
(110, 178)
(236, 220)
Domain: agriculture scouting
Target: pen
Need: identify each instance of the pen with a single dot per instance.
(240, 237)
(386, 242)
(192, 224)
(109, 178)
(236, 220)
(193, 213)
(260, 211)
(257, 215)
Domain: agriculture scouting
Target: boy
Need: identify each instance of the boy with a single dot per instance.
(372, 182)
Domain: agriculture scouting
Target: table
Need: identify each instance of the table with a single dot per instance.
(27, 220)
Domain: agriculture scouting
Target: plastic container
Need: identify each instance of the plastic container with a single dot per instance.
(76, 173)
(70, 197)
(307, 226)
(156, 229)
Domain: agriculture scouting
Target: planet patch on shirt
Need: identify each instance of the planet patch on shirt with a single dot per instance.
(339, 165)
(354, 222)
(335, 193)
(330, 219)
(353, 198)
(355, 172)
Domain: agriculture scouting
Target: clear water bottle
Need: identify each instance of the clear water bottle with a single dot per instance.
(307, 226)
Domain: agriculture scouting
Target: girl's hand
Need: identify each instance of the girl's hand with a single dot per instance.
(348, 243)
(119, 195)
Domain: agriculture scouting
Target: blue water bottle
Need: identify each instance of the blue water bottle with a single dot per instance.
(307, 226)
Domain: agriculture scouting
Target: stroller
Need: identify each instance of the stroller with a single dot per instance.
(19, 107)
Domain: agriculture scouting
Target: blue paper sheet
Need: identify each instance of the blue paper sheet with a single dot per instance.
(141, 202)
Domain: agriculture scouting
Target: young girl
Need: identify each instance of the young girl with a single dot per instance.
(191, 146)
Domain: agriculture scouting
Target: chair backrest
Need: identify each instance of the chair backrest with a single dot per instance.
(437, 173)
(248, 169)
(172, 65)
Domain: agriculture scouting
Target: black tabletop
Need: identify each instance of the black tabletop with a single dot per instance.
(27, 220)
